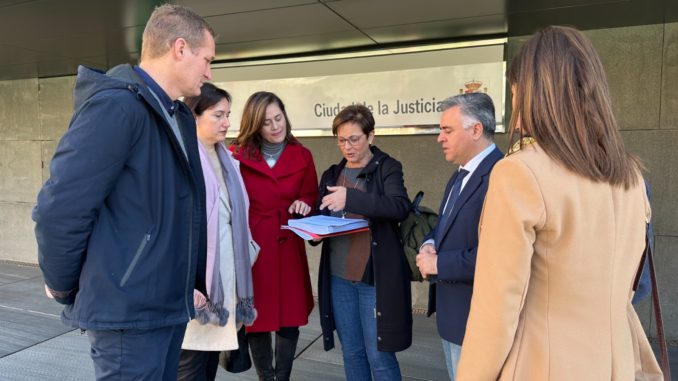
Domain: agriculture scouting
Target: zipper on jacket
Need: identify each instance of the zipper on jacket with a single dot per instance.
(183, 157)
(133, 264)
(190, 246)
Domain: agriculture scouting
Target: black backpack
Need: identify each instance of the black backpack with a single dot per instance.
(413, 229)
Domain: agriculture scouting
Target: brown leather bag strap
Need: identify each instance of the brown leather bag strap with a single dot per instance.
(661, 339)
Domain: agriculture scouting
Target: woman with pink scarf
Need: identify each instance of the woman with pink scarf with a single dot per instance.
(231, 252)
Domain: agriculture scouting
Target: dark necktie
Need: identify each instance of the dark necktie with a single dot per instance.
(453, 197)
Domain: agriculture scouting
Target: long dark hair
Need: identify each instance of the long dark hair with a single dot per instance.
(563, 102)
(249, 139)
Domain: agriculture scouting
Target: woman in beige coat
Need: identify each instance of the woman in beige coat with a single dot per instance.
(562, 231)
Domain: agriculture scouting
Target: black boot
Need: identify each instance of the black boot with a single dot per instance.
(285, 347)
(262, 354)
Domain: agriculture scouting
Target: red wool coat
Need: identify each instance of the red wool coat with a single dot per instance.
(282, 284)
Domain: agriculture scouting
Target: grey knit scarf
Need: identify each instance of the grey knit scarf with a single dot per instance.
(244, 311)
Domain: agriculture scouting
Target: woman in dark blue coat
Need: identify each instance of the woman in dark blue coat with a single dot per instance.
(364, 286)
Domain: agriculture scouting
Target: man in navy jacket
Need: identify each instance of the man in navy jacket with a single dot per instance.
(120, 223)
(448, 257)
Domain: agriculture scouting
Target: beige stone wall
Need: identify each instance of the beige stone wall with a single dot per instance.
(20, 166)
(33, 115)
(642, 68)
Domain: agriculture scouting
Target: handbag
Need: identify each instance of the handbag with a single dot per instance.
(237, 360)
(656, 307)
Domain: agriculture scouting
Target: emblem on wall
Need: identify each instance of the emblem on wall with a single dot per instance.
(473, 86)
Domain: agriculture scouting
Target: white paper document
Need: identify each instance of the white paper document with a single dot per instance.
(327, 224)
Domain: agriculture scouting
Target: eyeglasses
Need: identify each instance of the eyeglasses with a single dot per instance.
(351, 140)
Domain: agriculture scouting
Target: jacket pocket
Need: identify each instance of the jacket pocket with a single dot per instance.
(135, 259)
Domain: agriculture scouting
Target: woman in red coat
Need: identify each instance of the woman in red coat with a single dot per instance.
(281, 181)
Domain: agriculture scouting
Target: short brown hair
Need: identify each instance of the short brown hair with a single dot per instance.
(249, 138)
(563, 102)
(358, 114)
(169, 22)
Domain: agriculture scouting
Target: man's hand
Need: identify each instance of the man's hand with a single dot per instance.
(427, 260)
(58, 295)
(48, 292)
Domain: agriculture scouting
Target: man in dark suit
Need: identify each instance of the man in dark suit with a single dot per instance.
(448, 257)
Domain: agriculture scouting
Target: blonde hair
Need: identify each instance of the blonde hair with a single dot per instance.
(563, 102)
(169, 22)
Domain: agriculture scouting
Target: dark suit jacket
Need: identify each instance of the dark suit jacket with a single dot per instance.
(457, 244)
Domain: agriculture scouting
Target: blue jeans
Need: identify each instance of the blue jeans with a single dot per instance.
(136, 354)
(354, 305)
(452, 352)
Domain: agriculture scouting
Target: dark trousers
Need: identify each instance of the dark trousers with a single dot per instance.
(262, 353)
(198, 365)
(136, 354)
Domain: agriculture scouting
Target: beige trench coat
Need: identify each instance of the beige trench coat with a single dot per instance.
(557, 257)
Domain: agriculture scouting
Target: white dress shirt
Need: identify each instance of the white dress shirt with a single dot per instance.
(471, 167)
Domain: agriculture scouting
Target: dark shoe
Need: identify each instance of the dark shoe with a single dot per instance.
(262, 354)
(285, 347)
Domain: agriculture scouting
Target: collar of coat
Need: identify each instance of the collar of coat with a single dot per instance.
(293, 158)
(91, 81)
(378, 156)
